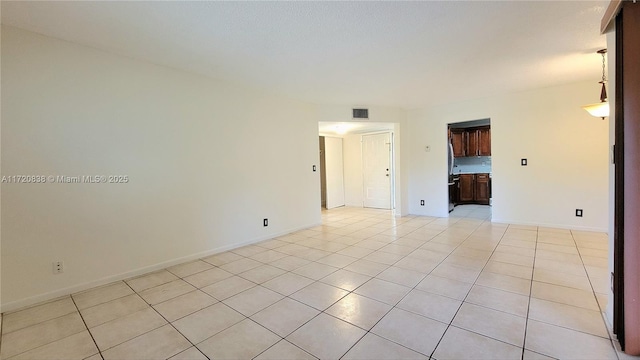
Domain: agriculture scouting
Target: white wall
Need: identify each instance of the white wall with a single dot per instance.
(566, 148)
(207, 161)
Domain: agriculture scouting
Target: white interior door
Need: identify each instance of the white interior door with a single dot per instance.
(334, 172)
(376, 170)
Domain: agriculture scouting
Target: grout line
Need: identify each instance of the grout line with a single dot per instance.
(533, 269)
(86, 327)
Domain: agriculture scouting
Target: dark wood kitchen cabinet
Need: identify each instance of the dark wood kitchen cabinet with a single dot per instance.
(484, 141)
(482, 194)
(474, 189)
(466, 190)
(471, 141)
(458, 141)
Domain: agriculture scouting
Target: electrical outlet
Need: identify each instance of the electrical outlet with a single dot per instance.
(579, 212)
(58, 267)
(265, 222)
(314, 168)
(523, 162)
(421, 202)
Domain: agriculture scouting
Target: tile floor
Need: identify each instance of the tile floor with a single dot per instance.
(364, 285)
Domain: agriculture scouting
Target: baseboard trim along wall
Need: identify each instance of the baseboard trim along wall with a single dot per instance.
(557, 226)
(34, 300)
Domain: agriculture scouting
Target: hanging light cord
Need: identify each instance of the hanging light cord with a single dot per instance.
(603, 92)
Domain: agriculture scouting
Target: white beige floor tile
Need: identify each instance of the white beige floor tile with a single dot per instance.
(355, 251)
(222, 258)
(248, 250)
(189, 268)
(184, 305)
(415, 332)
(462, 344)
(446, 287)
(284, 350)
(244, 340)
(564, 295)
(78, 346)
(560, 266)
(319, 295)
(558, 256)
(383, 257)
(337, 260)
(207, 322)
(191, 353)
(207, 277)
(509, 302)
(262, 273)
(465, 262)
(315, 271)
(359, 310)
(164, 292)
(375, 347)
(562, 343)
(530, 355)
(268, 256)
(525, 272)
(228, 287)
(492, 323)
(588, 321)
(285, 316)
(125, 328)
(456, 273)
(401, 276)
(345, 279)
(433, 306)
(239, 266)
(415, 264)
(112, 310)
(253, 300)
(160, 343)
(326, 337)
(366, 267)
(148, 281)
(36, 314)
(505, 282)
(384, 291)
(101, 294)
(515, 259)
(287, 284)
(552, 277)
(34, 336)
(289, 263)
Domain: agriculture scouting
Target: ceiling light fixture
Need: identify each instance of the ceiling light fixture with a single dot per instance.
(600, 109)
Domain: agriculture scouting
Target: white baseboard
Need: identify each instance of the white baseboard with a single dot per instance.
(558, 226)
(36, 299)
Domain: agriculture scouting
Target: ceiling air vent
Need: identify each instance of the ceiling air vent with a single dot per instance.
(360, 113)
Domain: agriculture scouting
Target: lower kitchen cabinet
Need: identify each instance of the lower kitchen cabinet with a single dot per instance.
(474, 189)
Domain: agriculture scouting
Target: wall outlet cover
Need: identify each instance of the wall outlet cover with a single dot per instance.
(523, 162)
(579, 212)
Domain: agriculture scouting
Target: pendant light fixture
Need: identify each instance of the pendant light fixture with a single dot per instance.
(600, 109)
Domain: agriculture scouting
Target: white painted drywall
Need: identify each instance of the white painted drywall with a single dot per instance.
(566, 148)
(334, 167)
(206, 162)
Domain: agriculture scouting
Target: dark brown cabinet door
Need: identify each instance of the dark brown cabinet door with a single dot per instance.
(458, 142)
(472, 143)
(482, 189)
(465, 193)
(484, 142)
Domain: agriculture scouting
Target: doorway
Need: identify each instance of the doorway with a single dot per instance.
(331, 172)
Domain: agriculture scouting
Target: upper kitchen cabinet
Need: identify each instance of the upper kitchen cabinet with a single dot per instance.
(484, 141)
(459, 142)
(471, 141)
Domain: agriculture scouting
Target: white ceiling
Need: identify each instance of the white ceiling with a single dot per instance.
(407, 54)
(343, 128)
